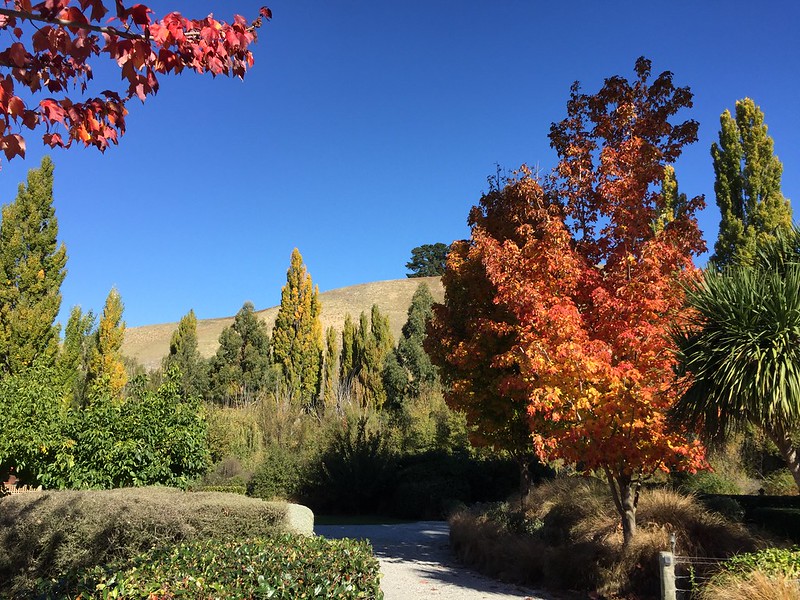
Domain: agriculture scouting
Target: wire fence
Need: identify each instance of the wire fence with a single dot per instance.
(692, 573)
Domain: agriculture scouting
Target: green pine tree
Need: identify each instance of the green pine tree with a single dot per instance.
(73, 360)
(297, 335)
(747, 187)
(32, 267)
(106, 372)
(410, 352)
(241, 367)
(184, 355)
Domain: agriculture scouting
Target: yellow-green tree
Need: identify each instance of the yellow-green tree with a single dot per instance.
(331, 369)
(32, 267)
(106, 370)
(297, 336)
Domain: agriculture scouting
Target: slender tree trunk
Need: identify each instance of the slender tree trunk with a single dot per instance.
(524, 463)
(788, 451)
(625, 494)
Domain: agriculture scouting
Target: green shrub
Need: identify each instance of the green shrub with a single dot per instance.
(280, 476)
(774, 568)
(46, 534)
(706, 482)
(780, 483)
(282, 567)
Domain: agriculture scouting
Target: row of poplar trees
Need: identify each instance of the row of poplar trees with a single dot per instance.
(32, 269)
(300, 366)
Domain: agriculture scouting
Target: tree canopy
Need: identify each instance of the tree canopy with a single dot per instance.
(428, 260)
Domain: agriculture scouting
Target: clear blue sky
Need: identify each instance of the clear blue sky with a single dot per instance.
(367, 128)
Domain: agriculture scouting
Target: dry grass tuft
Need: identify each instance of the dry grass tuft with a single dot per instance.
(754, 586)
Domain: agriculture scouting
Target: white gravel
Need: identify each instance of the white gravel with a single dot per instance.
(416, 563)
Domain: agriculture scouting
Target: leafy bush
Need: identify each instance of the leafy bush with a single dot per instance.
(353, 474)
(770, 574)
(281, 475)
(46, 534)
(281, 567)
(780, 483)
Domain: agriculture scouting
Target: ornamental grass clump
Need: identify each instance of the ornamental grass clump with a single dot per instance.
(771, 574)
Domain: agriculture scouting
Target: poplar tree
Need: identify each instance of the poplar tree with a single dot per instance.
(183, 353)
(747, 187)
(106, 374)
(73, 360)
(297, 335)
(32, 267)
(241, 366)
(347, 358)
(373, 343)
(331, 368)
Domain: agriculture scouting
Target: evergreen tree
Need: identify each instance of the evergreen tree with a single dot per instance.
(106, 373)
(297, 335)
(331, 368)
(347, 358)
(428, 260)
(747, 187)
(410, 352)
(32, 267)
(183, 354)
(241, 366)
(73, 360)
(373, 343)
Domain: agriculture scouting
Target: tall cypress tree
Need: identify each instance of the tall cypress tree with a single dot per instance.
(747, 187)
(331, 368)
(410, 351)
(347, 357)
(240, 368)
(107, 375)
(32, 267)
(184, 355)
(73, 360)
(373, 343)
(297, 335)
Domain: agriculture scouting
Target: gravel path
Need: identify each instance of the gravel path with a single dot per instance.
(416, 564)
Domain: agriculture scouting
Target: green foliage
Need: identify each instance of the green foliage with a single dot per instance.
(46, 535)
(281, 567)
(354, 472)
(411, 369)
(241, 367)
(158, 438)
(297, 335)
(771, 561)
(748, 186)
(742, 348)
(280, 475)
(106, 373)
(183, 354)
(331, 379)
(32, 268)
(73, 360)
(428, 260)
(32, 409)
(372, 343)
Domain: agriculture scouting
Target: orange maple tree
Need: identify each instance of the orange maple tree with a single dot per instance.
(53, 43)
(590, 268)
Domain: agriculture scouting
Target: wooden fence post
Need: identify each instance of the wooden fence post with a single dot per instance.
(666, 564)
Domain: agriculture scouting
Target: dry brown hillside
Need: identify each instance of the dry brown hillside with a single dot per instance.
(150, 343)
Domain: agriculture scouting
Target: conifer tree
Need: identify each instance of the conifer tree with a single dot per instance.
(347, 358)
(410, 352)
(373, 343)
(241, 366)
(73, 360)
(297, 335)
(32, 267)
(748, 186)
(331, 368)
(183, 353)
(107, 375)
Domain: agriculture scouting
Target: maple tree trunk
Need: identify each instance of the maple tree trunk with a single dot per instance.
(788, 451)
(524, 476)
(626, 496)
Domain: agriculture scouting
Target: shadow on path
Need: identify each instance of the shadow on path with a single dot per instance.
(416, 562)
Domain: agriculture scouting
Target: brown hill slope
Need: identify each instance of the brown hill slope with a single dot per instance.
(150, 343)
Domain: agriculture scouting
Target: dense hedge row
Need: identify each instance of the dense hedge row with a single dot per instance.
(283, 567)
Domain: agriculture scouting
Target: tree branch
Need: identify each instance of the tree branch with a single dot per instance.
(63, 23)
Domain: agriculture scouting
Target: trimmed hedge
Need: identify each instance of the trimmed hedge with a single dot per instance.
(281, 567)
(46, 534)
